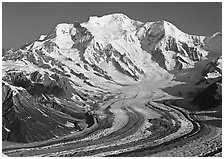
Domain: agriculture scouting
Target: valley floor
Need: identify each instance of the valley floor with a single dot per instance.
(141, 120)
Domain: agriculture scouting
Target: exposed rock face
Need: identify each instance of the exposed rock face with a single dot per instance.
(50, 83)
(28, 119)
(212, 71)
(169, 46)
(210, 97)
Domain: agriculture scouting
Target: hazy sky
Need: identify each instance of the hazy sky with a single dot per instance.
(24, 22)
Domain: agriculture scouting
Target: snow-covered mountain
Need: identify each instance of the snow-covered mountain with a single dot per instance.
(80, 64)
(214, 43)
(213, 69)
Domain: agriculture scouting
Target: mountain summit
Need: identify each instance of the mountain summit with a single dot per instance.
(76, 66)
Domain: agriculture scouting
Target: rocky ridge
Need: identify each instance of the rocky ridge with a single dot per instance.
(80, 64)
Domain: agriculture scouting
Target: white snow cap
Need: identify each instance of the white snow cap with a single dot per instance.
(63, 35)
(42, 37)
(114, 20)
(111, 18)
(217, 35)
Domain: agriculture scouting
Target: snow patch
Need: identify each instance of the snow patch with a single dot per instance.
(69, 124)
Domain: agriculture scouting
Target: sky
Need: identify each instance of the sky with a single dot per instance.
(25, 21)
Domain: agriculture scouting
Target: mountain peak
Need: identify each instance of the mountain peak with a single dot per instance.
(110, 26)
(65, 83)
(217, 35)
(63, 28)
(117, 15)
(111, 17)
(171, 29)
(116, 19)
(214, 43)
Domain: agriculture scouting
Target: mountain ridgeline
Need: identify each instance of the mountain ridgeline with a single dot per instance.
(52, 85)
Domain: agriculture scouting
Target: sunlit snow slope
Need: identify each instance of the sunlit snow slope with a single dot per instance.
(62, 75)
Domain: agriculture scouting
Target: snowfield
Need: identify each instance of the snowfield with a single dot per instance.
(113, 86)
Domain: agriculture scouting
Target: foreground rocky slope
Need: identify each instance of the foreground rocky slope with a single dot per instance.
(77, 89)
(29, 119)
